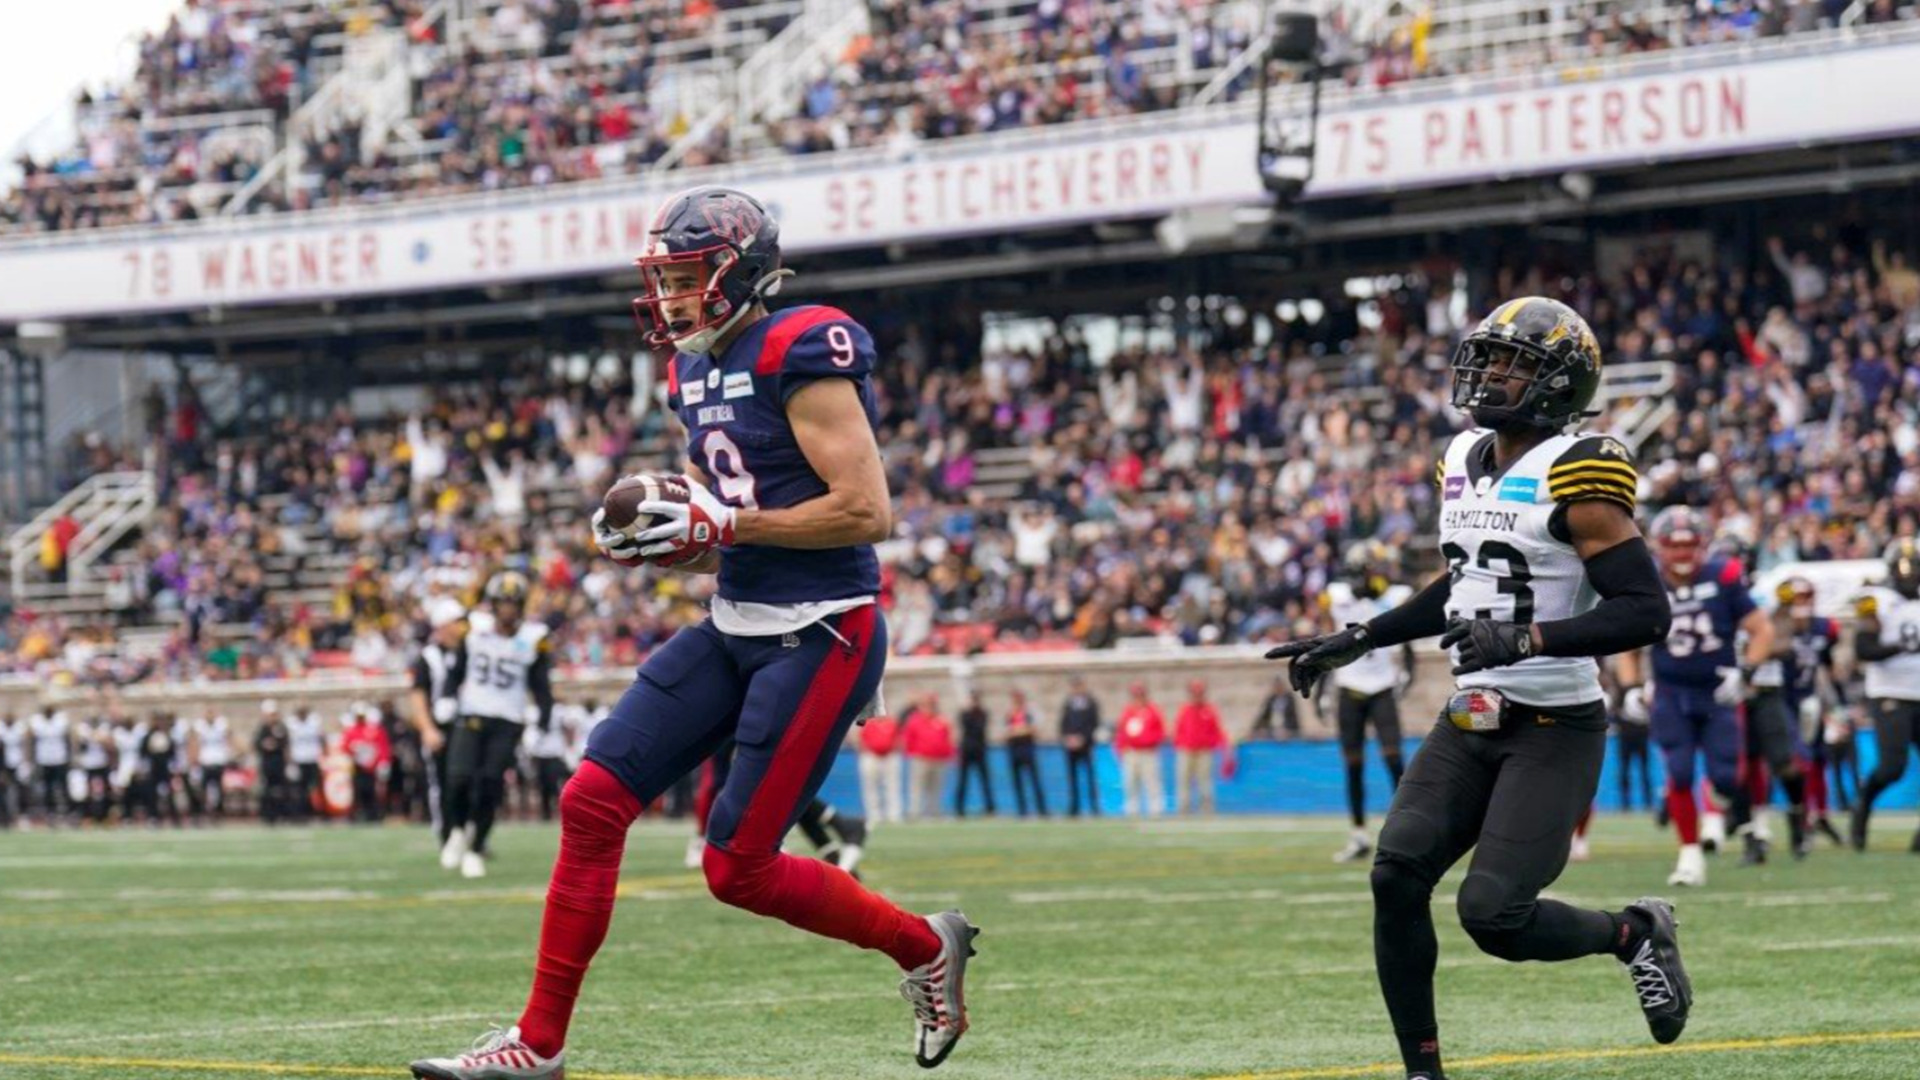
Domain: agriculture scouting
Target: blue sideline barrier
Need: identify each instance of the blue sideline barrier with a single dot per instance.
(1273, 778)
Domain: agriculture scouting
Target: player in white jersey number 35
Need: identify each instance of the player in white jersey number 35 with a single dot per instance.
(1545, 571)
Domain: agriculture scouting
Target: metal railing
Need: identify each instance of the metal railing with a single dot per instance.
(105, 506)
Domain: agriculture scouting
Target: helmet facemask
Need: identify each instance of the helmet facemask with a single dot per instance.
(716, 314)
(1498, 382)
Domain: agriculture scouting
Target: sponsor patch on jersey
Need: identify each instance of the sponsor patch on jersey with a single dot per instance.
(693, 393)
(738, 384)
(1524, 489)
(715, 414)
(1456, 487)
(713, 377)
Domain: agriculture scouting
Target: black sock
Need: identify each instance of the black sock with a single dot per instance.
(1630, 928)
(1395, 768)
(1421, 1051)
(1356, 794)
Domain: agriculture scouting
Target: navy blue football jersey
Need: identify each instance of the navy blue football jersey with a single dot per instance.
(1706, 617)
(1812, 650)
(734, 407)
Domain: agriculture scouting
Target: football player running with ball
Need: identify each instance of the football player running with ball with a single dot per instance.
(1546, 571)
(785, 502)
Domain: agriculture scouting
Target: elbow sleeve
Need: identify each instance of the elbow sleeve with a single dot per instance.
(1633, 611)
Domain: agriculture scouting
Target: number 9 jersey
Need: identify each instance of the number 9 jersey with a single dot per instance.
(734, 407)
(1511, 558)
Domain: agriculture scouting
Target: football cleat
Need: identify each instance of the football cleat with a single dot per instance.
(1824, 826)
(1691, 870)
(1713, 832)
(1857, 827)
(1357, 848)
(937, 990)
(473, 865)
(1659, 978)
(1756, 851)
(454, 850)
(847, 857)
(497, 1055)
(696, 852)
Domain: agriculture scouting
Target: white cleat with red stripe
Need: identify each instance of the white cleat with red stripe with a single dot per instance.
(937, 990)
(497, 1055)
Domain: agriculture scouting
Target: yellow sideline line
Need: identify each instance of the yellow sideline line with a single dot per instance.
(1783, 1042)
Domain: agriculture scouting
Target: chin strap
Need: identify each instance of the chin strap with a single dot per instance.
(768, 285)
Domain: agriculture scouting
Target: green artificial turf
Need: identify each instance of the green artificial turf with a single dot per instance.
(1228, 947)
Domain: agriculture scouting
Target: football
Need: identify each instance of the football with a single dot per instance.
(622, 501)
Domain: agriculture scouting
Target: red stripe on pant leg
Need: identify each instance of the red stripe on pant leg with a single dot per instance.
(1684, 812)
(771, 807)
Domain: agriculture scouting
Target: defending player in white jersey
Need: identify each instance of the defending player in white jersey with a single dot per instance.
(1367, 690)
(1545, 571)
(500, 675)
(1887, 641)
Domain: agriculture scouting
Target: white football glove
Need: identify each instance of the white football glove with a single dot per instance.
(620, 545)
(687, 530)
(444, 710)
(1732, 688)
(1633, 705)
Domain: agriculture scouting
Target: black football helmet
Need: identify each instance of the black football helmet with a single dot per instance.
(1543, 342)
(1903, 567)
(506, 593)
(735, 245)
(1367, 565)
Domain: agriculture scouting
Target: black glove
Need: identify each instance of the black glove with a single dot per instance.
(1487, 643)
(1314, 657)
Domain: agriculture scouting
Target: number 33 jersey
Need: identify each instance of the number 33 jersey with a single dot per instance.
(1511, 558)
(734, 407)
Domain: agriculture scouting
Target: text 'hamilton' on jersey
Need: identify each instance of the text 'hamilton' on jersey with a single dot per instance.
(734, 407)
(1511, 557)
(499, 667)
(1702, 642)
(1378, 671)
(1897, 676)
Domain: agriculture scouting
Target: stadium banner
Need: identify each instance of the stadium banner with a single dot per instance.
(1418, 135)
(599, 228)
(1380, 143)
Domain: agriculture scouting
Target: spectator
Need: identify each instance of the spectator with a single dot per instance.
(1140, 731)
(1198, 739)
(928, 744)
(366, 745)
(973, 755)
(1079, 731)
(1021, 758)
(880, 769)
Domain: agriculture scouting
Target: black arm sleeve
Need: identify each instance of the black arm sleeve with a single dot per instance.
(1868, 646)
(540, 684)
(1633, 611)
(422, 676)
(456, 672)
(1423, 616)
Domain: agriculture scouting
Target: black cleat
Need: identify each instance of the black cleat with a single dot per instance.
(1824, 826)
(1857, 828)
(1659, 978)
(1755, 853)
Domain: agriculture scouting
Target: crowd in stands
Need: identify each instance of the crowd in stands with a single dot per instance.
(1198, 493)
(536, 92)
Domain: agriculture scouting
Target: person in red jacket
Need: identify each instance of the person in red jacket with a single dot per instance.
(880, 768)
(928, 743)
(1140, 731)
(365, 742)
(1197, 738)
